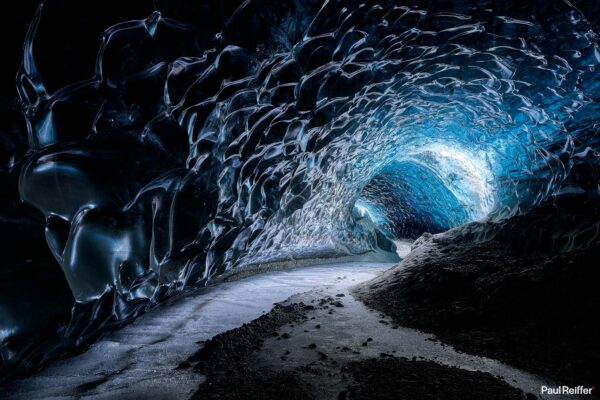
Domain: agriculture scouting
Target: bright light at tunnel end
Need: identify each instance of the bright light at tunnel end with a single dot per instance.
(465, 173)
(439, 185)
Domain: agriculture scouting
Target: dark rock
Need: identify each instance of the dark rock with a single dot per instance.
(391, 378)
(514, 296)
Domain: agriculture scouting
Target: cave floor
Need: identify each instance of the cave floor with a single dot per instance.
(154, 357)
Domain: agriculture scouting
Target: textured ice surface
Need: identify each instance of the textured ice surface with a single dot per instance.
(206, 149)
(208, 137)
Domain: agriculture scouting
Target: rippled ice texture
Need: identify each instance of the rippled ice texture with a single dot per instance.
(212, 137)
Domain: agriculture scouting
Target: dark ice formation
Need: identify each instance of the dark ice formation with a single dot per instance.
(203, 137)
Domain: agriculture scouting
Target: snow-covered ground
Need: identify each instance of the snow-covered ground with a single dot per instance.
(403, 247)
(140, 361)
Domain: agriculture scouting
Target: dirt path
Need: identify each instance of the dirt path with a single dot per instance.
(140, 360)
(327, 343)
(329, 337)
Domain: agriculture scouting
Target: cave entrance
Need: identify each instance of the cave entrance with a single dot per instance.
(430, 190)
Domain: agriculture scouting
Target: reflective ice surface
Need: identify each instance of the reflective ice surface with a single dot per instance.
(207, 137)
(196, 149)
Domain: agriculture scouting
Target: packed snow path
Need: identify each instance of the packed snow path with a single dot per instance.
(140, 360)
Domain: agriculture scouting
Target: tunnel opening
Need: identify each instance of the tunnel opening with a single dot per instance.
(429, 190)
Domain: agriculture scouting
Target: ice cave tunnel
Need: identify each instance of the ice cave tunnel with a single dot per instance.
(197, 139)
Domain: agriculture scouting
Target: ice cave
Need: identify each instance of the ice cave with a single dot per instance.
(154, 149)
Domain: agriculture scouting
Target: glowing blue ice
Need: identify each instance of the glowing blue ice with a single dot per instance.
(198, 149)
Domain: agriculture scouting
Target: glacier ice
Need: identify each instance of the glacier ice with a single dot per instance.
(207, 138)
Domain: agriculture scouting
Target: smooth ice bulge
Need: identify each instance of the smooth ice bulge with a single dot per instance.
(230, 136)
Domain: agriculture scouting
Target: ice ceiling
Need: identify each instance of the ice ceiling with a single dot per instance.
(219, 136)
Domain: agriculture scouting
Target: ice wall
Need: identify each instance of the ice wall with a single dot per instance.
(209, 136)
(195, 149)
